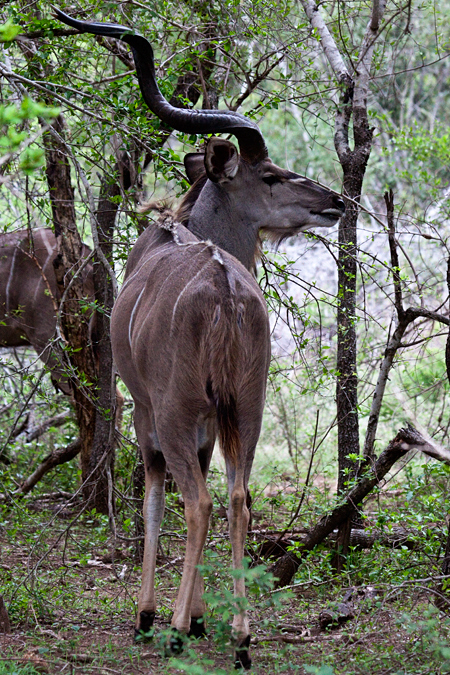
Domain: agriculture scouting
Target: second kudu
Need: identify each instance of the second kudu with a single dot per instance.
(29, 297)
(190, 330)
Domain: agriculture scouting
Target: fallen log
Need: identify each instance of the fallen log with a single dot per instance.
(406, 440)
(56, 421)
(360, 539)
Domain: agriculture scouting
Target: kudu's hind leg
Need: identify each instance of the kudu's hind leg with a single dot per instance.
(238, 519)
(155, 472)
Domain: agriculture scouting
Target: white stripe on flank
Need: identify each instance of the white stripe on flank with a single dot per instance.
(132, 315)
(47, 244)
(175, 271)
(50, 252)
(155, 253)
(11, 272)
(184, 291)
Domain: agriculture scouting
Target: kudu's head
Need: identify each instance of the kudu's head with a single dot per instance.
(235, 195)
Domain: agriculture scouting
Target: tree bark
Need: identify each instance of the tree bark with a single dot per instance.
(354, 164)
(445, 569)
(74, 323)
(361, 539)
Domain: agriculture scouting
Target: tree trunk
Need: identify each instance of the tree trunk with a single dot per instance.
(347, 380)
(445, 569)
(74, 321)
(352, 106)
(101, 460)
(354, 163)
(5, 626)
(446, 561)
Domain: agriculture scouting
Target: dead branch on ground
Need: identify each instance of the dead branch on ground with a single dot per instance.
(55, 458)
(360, 539)
(407, 439)
(56, 421)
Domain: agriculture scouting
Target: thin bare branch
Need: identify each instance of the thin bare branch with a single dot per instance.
(329, 46)
(55, 421)
(366, 55)
(389, 201)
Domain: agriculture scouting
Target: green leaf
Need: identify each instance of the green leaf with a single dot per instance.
(9, 31)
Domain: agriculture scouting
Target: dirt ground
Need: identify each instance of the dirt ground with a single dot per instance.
(71, 594)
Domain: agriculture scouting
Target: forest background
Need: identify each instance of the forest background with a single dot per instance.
(355, 91)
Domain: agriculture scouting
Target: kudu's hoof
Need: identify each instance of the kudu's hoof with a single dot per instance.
(141, 634)
(242, 657)
(175, 644)
(198, 628)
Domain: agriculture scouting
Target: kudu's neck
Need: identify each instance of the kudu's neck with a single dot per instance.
(216, 217)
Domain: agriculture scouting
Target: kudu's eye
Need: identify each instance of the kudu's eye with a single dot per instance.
(271, 180)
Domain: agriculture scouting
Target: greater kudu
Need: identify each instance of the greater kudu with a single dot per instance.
(190, 329)
(29, 297)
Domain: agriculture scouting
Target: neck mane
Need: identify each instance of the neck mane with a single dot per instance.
(211, 218)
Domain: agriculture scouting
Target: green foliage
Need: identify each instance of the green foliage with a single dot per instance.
(11, 668)
(319, 670)
(427, 637)
(206, 667)
(16, 136)
(8, 31)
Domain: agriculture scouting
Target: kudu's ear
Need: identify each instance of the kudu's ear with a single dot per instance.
(221, 160)
(194, 164)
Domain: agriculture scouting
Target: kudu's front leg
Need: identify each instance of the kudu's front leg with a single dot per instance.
(155, 473)
(153, 515)
(238, 519)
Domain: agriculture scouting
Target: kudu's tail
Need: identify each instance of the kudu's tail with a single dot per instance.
(225, 350)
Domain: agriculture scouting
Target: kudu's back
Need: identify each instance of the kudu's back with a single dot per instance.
(190, 333)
